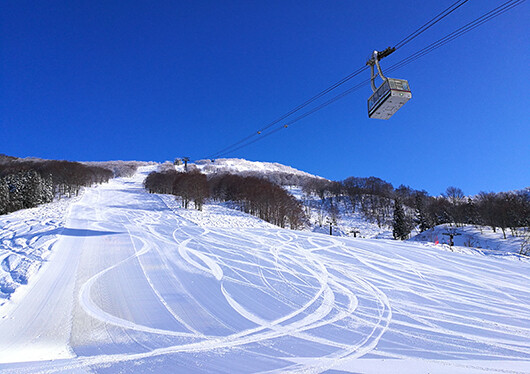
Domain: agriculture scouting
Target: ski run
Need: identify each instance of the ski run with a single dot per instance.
(119, 280)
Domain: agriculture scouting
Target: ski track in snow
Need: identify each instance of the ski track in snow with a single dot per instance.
(26, 241)
(159, 288)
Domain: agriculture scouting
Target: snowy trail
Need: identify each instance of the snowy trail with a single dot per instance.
(136, 284)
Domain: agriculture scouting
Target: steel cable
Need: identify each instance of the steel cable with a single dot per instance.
(501, 9)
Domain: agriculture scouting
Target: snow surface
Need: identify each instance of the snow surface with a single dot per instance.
(26, 239)
(347, 221)
(136, 284)
(242, 166)
(478, 239)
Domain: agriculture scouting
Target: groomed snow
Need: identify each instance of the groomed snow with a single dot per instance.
(136, 284)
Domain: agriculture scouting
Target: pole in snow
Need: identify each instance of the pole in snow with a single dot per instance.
(185, 159)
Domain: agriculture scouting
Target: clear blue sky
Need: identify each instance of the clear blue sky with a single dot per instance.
(153, 80)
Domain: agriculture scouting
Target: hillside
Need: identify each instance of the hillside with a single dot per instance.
(134, 284)
(293, 180)
(477, 239)
(242, 166)
(337, 208)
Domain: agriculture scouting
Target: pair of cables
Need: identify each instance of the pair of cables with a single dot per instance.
(271, 129)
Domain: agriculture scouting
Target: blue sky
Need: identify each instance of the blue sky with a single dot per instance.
(143, 80)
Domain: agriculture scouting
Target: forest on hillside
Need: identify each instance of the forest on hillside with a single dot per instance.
(26, 183)
(404, 208)
(251, 194)
(264, 194)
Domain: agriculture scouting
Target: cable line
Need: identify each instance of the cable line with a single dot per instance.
(407, 39)
(501, 9)
(301, 106)
(431, 23)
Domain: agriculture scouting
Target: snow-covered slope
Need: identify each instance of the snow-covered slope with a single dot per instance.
(344, 222)
(481, 239)
(347, 222)
(242, 166)
(26, 240)
(136, 284)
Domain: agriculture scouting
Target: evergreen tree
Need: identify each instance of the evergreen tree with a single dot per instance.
(401, 228)
(47, 189)
(422, 216)
(32, 189)
(15, 187)
(4, 196)
(470, 214)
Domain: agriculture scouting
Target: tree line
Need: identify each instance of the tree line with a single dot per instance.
(404, 208)
(250, 194)
(26, 183)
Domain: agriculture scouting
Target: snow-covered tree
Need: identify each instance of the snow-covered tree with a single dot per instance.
(4, 196)
(422, 215)
(400, 224)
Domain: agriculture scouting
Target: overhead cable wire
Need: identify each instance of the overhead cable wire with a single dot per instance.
(431, 23)
(448, 38)
(404, 41)
(299, 107)
(503, 8)
(431, 47)
(508, 5)
(302, 116)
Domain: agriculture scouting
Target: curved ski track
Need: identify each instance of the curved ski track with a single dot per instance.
(216, 299)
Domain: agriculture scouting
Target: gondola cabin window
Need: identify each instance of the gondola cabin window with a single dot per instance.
(391, 95)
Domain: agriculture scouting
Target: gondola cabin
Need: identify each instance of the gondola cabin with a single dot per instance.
(391, 95)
